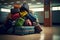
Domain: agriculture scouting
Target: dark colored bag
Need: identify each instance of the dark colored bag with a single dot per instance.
(13, 11)
(31, 17)
(25, 6)
(38, 28)
(9, 23)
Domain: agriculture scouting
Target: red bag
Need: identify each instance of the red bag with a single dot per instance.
(15, 16)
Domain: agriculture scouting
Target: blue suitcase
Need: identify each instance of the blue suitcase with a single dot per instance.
(2, 29)
(13, 11)
(31, 17)
(10, 23)
(26, 6)
(24, 30)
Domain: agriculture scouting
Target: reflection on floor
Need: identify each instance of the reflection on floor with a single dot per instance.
(48, 33)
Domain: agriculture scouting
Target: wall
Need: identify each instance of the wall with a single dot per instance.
(56, 17)
(3, 16)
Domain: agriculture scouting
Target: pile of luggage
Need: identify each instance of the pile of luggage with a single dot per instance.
(21, 20)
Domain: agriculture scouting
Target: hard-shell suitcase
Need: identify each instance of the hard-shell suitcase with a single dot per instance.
(31, 17)
(24, 30)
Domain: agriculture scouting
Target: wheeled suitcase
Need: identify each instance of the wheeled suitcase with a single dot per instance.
(31, 17)
(24, 30)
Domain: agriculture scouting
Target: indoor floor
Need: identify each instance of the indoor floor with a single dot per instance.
(48, 33)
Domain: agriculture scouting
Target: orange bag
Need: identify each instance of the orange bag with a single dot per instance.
(17, 6)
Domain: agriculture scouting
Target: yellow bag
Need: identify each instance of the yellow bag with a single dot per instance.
(24, 13)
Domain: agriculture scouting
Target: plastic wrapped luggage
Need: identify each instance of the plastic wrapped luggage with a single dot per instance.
(13, 11)
(15, 16)
(24, 30)
(20, 22)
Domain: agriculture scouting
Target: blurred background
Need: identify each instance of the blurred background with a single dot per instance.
(37, 6)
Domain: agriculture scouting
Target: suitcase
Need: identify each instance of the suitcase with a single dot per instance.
(15, 16)
(24, 13)
(23, 9)
(10, 23)
(38, 28)
(2, 29)
(31, 17)
(26, 6)
(24, 30)
(20, 22)
(13, 11)
(17, 6)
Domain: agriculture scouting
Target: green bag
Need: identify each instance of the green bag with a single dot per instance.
(20, 22)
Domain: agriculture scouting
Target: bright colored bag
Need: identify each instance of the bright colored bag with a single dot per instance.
(20, 22)
(24, 13)
(13, 11)
(15, 16)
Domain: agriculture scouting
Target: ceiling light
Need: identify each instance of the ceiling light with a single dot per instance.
(32, 0)
(38, 3)
(5, 3)
(37, 9)
(55, 8)
(29, 4)
(12, 3)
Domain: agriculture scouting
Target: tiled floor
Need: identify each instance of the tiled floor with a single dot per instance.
(48, 33)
